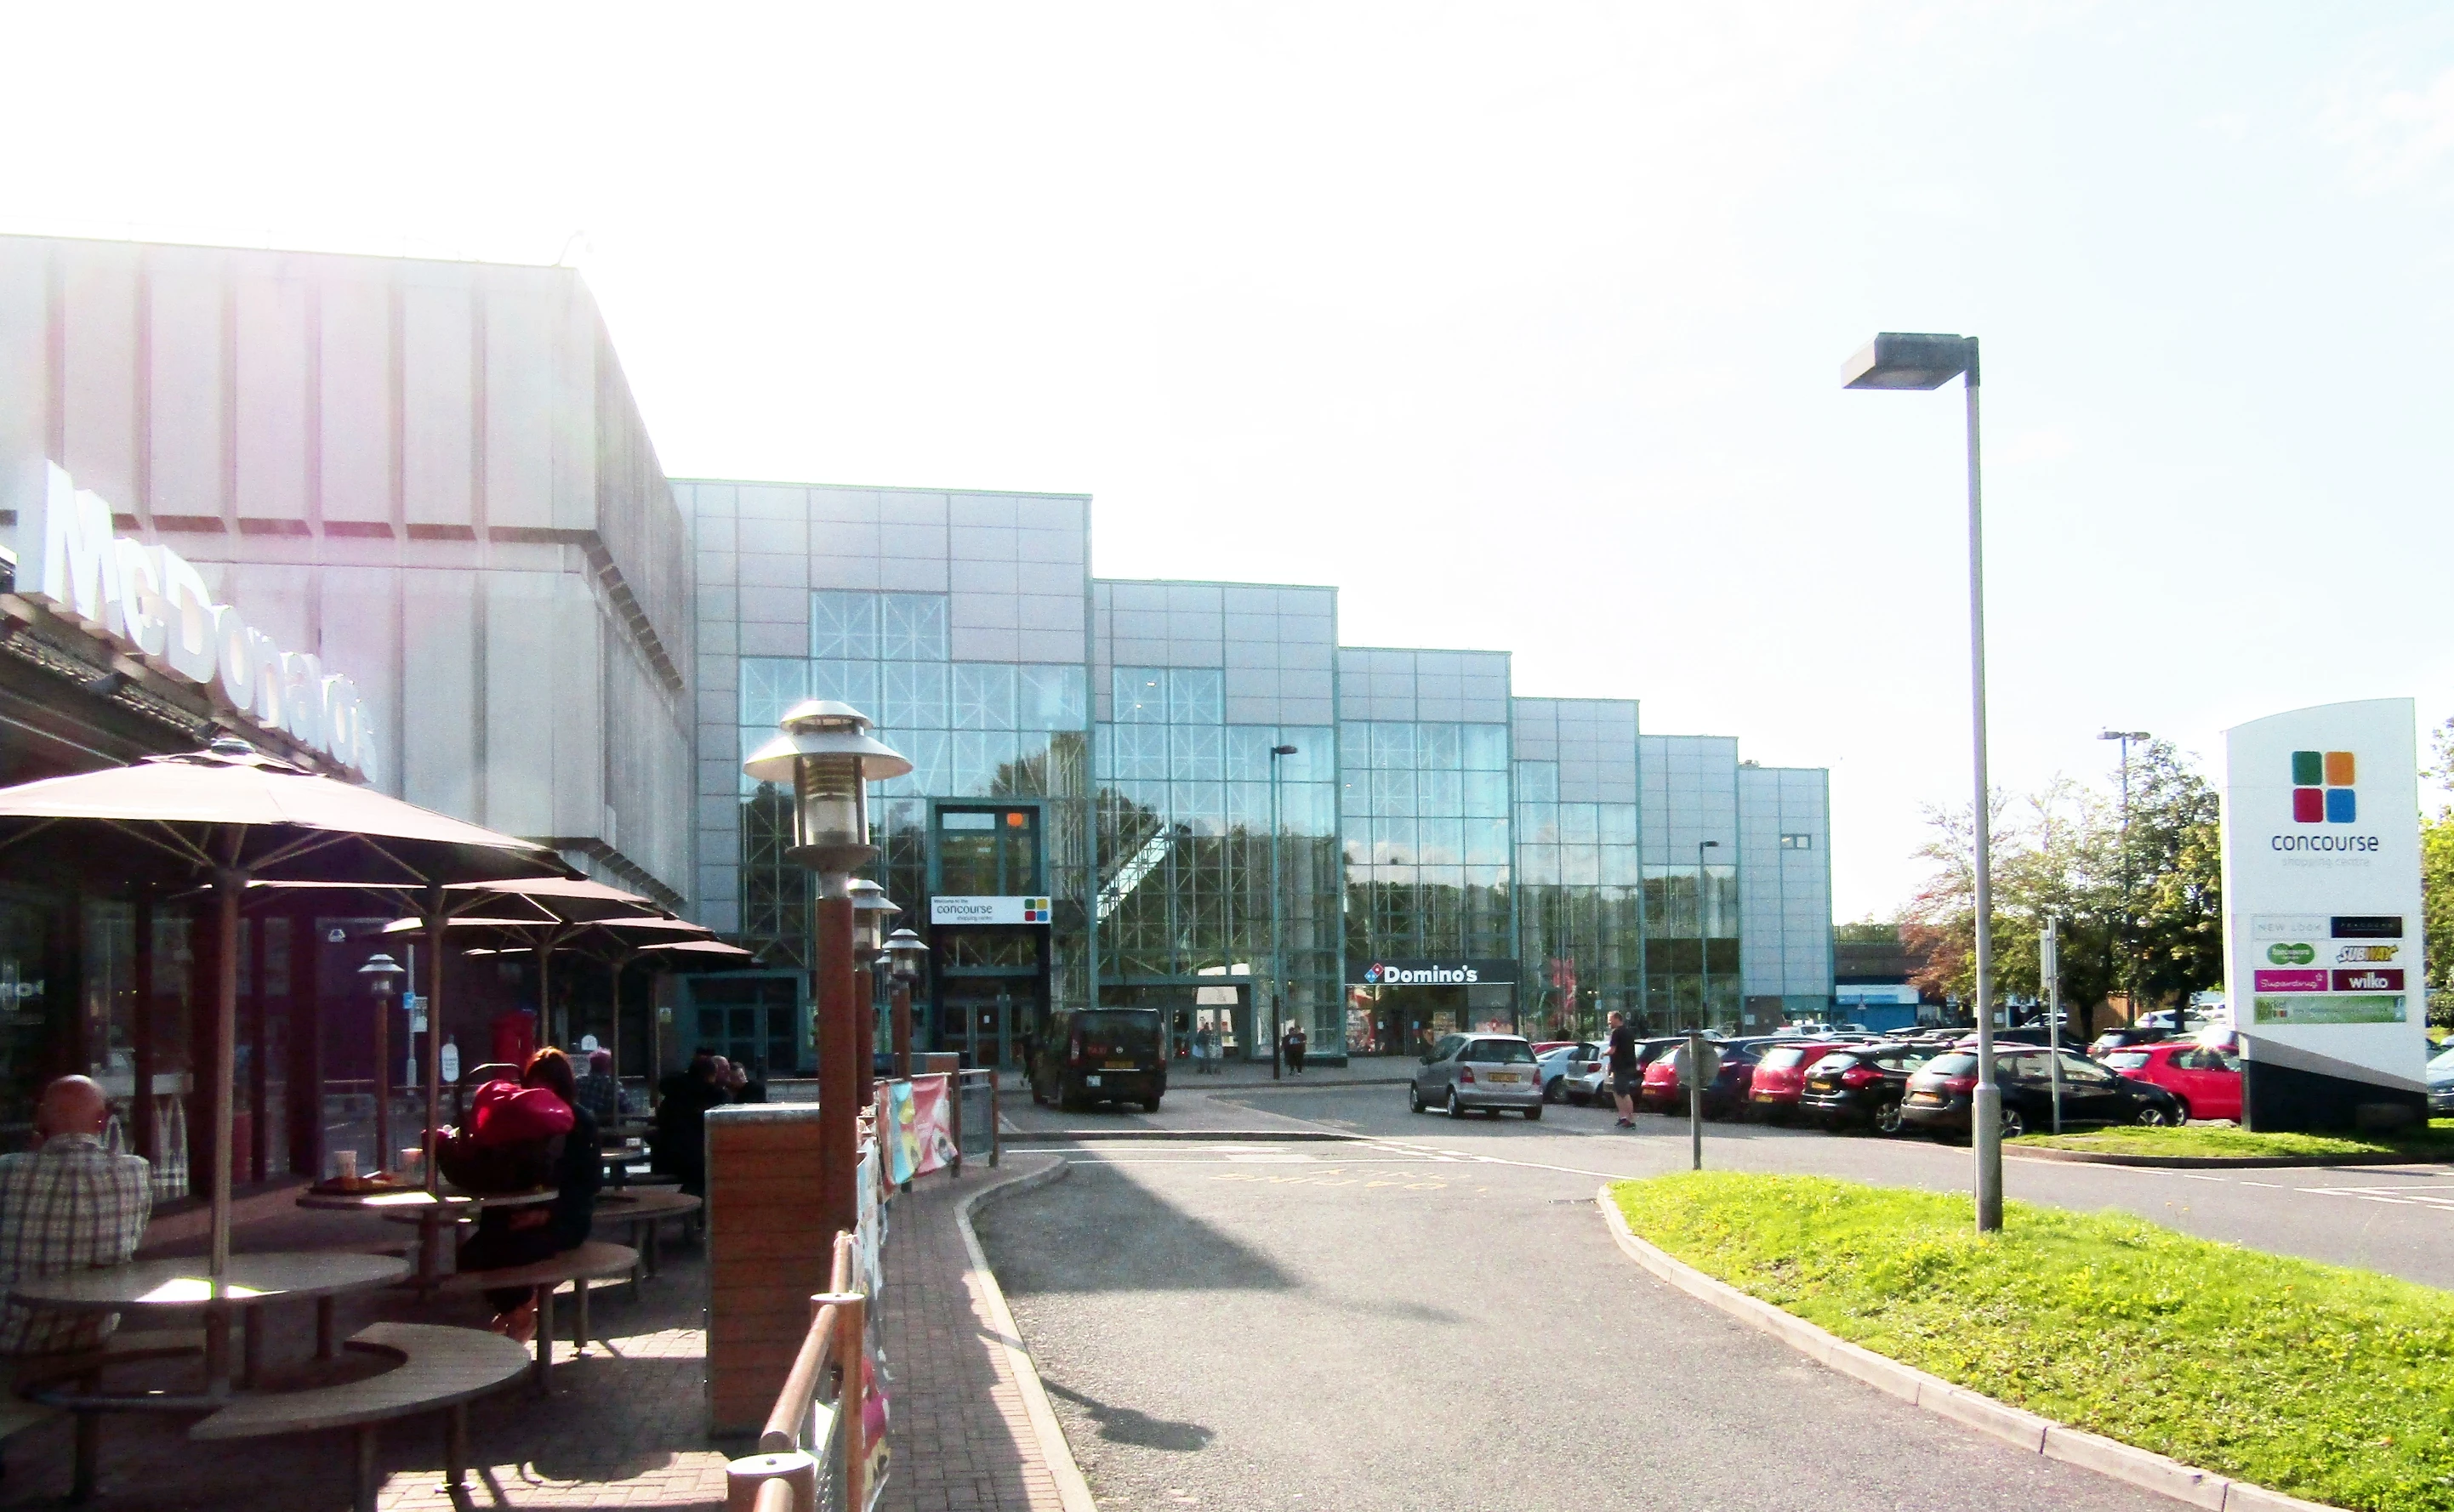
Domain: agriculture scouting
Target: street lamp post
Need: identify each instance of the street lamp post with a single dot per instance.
(2129, 954)
(383, 976)
(1899, 360)
(909, 952)
(871, 909)
(1703, 1005)
(1277, 955)
(825, 751)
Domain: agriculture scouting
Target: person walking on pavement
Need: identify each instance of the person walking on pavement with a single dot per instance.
(1293, 1043)
(1624, 1077)
(1205, 1051)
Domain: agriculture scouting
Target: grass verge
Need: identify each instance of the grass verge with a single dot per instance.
(2429, 1144)
(2327, 1382)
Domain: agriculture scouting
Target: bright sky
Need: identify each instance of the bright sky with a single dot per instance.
(1522, 324)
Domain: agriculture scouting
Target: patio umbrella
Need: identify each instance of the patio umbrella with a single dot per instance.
(619, 941)
(230, 815)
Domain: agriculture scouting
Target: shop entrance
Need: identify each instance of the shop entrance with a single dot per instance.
(1410, 1020)
(988, 1021)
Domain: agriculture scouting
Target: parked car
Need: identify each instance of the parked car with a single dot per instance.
(1486, 1071)
(2441, 1083)
(1940, 1092)
(1725, 1096)
(1861, 1086)
(1560, 1061)
(1780, 1077)
(1590, 1085)
(1101, 1055)
(2204, 1079)
(2124, 1038)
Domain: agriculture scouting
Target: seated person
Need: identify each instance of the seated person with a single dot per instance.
(600, 1093)
(69, 1204)
(679, 1146)
(521, 1236)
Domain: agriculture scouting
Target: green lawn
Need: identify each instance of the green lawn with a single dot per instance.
(2436, 1141)
(2327, 1382)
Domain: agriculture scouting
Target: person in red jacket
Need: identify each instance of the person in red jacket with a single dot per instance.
(544, 1113)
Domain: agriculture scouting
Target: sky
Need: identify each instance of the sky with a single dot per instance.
(1521, 325)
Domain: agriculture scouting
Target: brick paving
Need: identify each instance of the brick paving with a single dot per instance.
(961, 1437)
(627, 1425)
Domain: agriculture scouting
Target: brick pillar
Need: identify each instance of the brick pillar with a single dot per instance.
(769, 1250)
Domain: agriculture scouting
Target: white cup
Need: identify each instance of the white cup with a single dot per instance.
(345, 1164)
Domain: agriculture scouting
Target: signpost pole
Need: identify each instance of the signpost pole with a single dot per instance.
(1696, 1099)
(2049, 966)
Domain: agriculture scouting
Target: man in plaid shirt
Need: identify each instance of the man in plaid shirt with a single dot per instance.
(70, 1204)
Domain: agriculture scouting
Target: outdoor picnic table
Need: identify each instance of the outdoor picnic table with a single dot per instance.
(619, 1157)
(153, 1288)
(433, 1212)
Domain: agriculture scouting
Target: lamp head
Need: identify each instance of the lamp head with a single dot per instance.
(1911, 360)
(909, 951)
(825, 753)
(1282, 750)
(870, 911)
(382, 972)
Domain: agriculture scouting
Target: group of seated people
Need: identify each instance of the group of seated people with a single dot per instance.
(678, 1145)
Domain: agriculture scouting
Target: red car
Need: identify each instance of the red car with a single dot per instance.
(2205, 1080)
(1781, 1076)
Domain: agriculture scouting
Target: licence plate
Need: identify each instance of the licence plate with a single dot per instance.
(1121, 1065)
(1765, 1097)
(1926, 1097)
(1506, 1076)
(1821, 1086)
(1090, 1081)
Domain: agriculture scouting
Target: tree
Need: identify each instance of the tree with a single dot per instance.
(2175, 866)
(2436, 874)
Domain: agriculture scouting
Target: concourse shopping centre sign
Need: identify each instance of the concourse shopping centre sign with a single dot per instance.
(149, 602)
(2323, 941)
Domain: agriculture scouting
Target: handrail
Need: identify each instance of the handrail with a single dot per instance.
(811, 1367)
(774, 1495)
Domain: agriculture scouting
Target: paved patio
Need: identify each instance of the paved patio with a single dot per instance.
(627, 1423)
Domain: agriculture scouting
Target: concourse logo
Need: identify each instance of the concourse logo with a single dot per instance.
(2322, 787)
(2291, 955)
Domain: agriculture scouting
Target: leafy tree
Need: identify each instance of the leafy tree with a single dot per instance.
(2437, 877)
(2174, 853)
(1866, 931)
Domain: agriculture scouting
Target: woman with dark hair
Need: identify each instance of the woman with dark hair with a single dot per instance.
(575, 1162)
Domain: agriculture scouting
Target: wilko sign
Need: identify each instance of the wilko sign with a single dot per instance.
(1435, 974)
(148, 601)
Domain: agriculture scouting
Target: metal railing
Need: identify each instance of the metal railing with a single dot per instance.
(975, 1115)
(813, 1453)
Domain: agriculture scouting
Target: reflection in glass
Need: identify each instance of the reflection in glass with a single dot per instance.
(913, 695)
(983, 695)
(1138, 695)
(843, 626)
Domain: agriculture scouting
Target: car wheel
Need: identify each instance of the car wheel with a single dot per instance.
(1887, 1116)
(1150, 1105)
(1455, 1108)
(2014, 1123)
(1534, 1114)
(2156, 1115)
(2180, 1109)
(1413, 1098)
(1555, 1089)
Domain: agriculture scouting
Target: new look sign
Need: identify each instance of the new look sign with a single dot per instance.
(148, 601)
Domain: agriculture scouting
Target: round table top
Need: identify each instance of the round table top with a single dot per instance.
(382, 1200)
(183, 1281)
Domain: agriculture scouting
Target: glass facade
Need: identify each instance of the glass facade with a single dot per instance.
(1427, 815)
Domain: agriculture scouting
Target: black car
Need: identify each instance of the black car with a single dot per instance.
(1861, 1086)
(1101, 1055)
(2112, 1039)
(1939, 1094)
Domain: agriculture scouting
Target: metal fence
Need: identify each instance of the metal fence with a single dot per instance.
(975, 1118)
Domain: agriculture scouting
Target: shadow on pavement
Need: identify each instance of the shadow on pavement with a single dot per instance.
(1121, 1237)
(1132, 1425)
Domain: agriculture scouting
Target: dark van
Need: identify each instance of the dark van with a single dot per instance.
(1101, 1055)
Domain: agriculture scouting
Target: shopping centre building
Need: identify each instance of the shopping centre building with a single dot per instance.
(399, 520)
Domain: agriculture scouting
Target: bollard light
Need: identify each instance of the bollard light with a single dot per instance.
(825, 753)
(909, 951)
(382, 972)
(870, 911)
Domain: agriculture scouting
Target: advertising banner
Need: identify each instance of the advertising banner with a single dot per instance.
(919, 1137)
(1451, 972)
(2323, 941)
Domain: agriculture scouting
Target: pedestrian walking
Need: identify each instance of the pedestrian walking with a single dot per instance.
(1205, 1051)
(1294, 1046)
(1624, 1077)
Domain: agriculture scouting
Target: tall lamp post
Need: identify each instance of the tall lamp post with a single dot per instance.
(825, 751)
(1277, 956)
(383, 976)
(2129, 955)
(909, 953)
(871, 909)
(1703, 965)
(1917, 361)
(1703, 1007)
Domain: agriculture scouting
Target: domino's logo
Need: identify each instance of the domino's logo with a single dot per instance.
(2322, 787)
(1372, 975)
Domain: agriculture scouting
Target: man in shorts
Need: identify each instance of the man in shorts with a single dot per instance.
(1626, 1079)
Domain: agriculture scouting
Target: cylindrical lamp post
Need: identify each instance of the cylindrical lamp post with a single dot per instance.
(382, 974)
(909, 953)
(871, 909)
(825, 753)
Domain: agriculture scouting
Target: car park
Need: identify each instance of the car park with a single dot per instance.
(1489, 1072)
(1592, 1085)
(1939, 1093)
(1725, 1096)
(1861, 1086)
(1780, 1076)
(2205, 1080)
(2124, 1038)
(1560, 1064)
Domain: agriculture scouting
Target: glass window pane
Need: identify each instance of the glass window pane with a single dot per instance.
(1393, 841)
(1435, 747)
(854, 683)
(912, 626)
(981, 761)
(1196, 695)
(1485, 795)
(1248, 807)
(1579, 825)
(1580, 865)
(1196, 754)
(1201, 807)
(1138, 695)
(1393, 792)
(1485, 748)
(1486, 842)
(914, 695)
(1618, 823)
(1051, 697)
(983, 695)
(1248, 753)
(1354, 837)
(771, 684)
(926, 749)
(1393, 745)
(1537, 781)
(1316, 757)
(843, 625)
(1436, 792)
(1443, 842)
(1355, 745)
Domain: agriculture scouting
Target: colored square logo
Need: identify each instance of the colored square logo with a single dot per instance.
(2343, 806)
(2308, 806)
(2309, 769)
(2322, 787)
(2338, 768)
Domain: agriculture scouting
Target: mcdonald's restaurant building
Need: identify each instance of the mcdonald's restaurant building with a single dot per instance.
(401, 521)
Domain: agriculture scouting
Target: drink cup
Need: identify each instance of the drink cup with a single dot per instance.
(345, 1164)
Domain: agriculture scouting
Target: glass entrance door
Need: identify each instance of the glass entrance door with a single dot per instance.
(985, 1022)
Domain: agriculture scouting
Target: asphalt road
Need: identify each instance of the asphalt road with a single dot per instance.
(1438, 1323)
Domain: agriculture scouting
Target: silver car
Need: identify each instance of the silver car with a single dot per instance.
(2441, 1083)
(1486, 1071)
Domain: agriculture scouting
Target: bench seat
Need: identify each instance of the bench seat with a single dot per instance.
(644, 1210)
(440, 1369)
(592, 1261)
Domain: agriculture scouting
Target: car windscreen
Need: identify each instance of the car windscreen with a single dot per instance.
(1501, 1052)
(1784, 1058)
(2128, 1059)
(2443, 1061)
(1833, 1064)
(1112, 1032)
(1958, 1062)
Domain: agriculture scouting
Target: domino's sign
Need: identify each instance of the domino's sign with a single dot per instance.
(149, 602)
